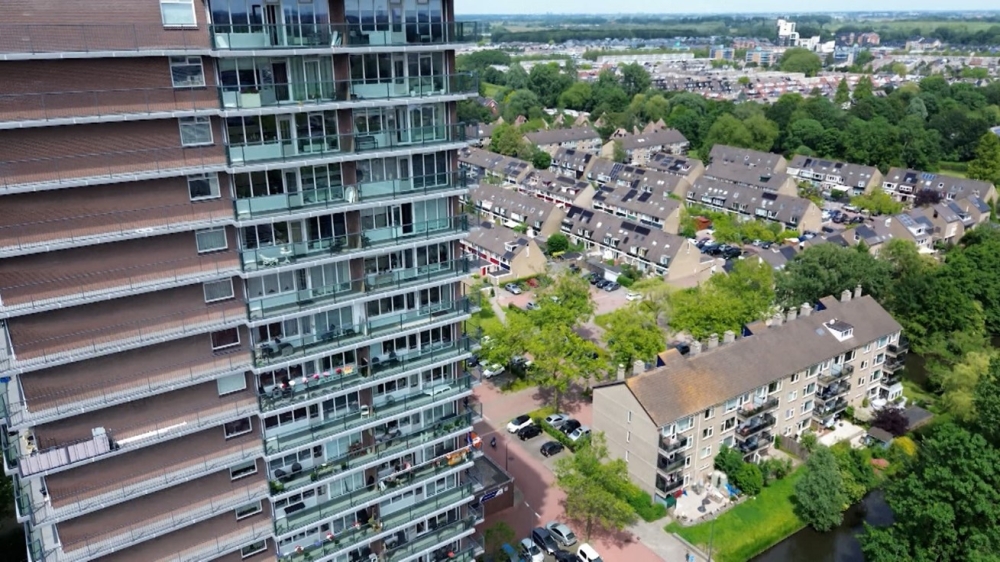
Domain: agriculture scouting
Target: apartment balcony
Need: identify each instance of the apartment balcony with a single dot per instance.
(667, 464)
(833, 390)
(888, 380)
(667, 485)
(39, 223)
(365, 415)
(62, 336)
(57, 280)
(836, 373)
(124, 525)
(334, 148)
(297, 349)
(350, 245)
(297, 516)
(756, 407)
(437, 540)
(319, 386)
(348, 197)
(365, 533)
(900, 348)
(360, 288)
(669, 445)
(98, 485)
(101, 434)
(49, 394)
(829, 408)
(50, 41)
(60, 172)
(344, 37)
(896, 363)
(755, 425)
(755, 443)
(384, 446)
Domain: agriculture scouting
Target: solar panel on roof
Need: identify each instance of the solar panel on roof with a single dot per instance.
(927, 176)
(628, 226)
(645, 196)
(642, 230)
(769, 196)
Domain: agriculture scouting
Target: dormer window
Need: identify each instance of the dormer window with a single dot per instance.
(840, 329)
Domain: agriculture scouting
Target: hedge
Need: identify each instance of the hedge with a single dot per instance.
(556, 434)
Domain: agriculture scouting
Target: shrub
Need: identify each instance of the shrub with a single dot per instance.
(556, 434)
(644, 506)
(749, 479)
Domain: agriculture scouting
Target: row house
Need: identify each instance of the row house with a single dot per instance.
(793, 213)
(750, 176)
(640, 147)
(485, 166)
(571, 163)
(646, 204)
(646, 248)
(561, 190)
(903, 185)
(796, 371)
(831, 175)
(606, 172)
(579, 138)
(511, 208)
(683, 166)
(504, 255)
(763, 161)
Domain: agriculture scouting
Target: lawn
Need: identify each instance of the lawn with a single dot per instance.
(751, 527)
(490, 90)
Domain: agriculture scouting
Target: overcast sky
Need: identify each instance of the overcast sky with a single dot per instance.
(706, 6)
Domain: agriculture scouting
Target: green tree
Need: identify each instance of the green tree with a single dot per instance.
(804, 132)
(632, 333)
(541, 160)
(856, 471)
(947, 507)
(655, 109)
(495, 536)
(557, 243)
(749, 479)
(843, 94)
(506, 139)
(521, 102)
(819, 494)
(578, 96)
(728, 460)
(960, 384)
(877, 202)
(727, 130)
(986, 401)
(828, 270)
(986, 165)
(635, 79)
(725, 302)
(517, 77)
(548, 82)
(587, 477)
(763, 132)
(798, 59)
(619, 154)
(863, 89)
(917, 107)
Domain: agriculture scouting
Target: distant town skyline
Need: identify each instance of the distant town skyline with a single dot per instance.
(464, 7)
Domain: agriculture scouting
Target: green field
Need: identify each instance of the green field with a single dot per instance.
(751, 527)
(925, 26)
(490, 90)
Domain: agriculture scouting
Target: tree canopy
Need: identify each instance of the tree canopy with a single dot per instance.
(819, 494)
(798, 59)
(592, 484)
(829, 269)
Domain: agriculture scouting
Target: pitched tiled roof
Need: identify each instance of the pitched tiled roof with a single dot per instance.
(673, 164)
(496, 239)
(686, 385)
(744, 174)
(556, 136)
(664, 137)
(744, 156)
(494, 197)
(853, 175)
(597, 225)
(957, 187)
(758, 203)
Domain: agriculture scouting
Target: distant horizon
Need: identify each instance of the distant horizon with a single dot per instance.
(716, 7)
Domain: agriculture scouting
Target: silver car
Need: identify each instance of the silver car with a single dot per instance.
(563, 535)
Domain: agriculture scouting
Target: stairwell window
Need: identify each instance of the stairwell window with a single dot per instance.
(211, 240)
(255, 548)
(187, 72)
(218, 290)
(178, 13)
(248, 510)
(203, 186)
(196, 131)
(237, 428)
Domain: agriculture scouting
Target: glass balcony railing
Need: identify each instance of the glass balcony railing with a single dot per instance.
(265, 257)
(334, 196)
(669, 445)
(369, 494)
(343, 35)
(370, 531)
(320, 385)
(368, 285)
(833, 390)
(386, 446)
(332, 91)
(366, 414)
(443, 534)
(271, 148)
(836, 373)
(286, 350)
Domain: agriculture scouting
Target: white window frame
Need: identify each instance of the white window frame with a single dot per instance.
(255, 548)
(249, 429)
(628, 436)
(213, 186)
(806, 407)
(792, 396)
(248, 464)
(255, 507)
(194, 15)
(221, 282)
(705, 452)
(197, 239)
(237, 343)
(189, 122)
(186, 61)
(707, 433)
(789, 414)
(225, 387)
(630, 416)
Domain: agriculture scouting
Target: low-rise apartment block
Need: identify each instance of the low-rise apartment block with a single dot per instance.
(511, 208)
(721, 52)
(797, 371)
(485, 166)
(761, 57)
(640, 147)
(504, 254)
(904, 184)
(579, 138)
(831, 175)
(571, 163)
(793, 213)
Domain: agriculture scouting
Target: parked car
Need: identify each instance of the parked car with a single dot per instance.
(564, 556)
(574, 268)
(530, 551)
(682, 348)
(512, 288)
(579, 433)
(556, 420)
(563, 535)
(631, 296)
(543, 538)
(509, 554)
(551, 448)
(492, 370)
(709, 248)
(586, 553)
(858, 220)
(595, 278)
(569, 425)
(602, 283)
(529, 432)
(515, 425)
(731, 253)
(612, 286)
(531, 306)
(766, 245)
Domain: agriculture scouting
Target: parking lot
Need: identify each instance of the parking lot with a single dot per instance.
(604, 301)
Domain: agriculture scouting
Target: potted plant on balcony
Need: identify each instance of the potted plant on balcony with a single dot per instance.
(250, 98)
(276, 487)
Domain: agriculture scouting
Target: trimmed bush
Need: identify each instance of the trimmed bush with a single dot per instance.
(644, 507)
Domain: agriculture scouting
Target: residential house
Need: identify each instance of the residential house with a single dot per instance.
(640, 147)
(485, 166)
(580, 138)
(604, 172)
(560, 190)
(798, 371)
(975, 209)
(511, 208)
(913, 226)
(949, 224)
(479, 134)
(874, 234)
(751, 176)
(649, 201)
(794, 213)
(777, 255)
(764, 161)
(644, 247)
(831, 175)
(903, 184)
(688, 168)
(571, 163)
(505, 255)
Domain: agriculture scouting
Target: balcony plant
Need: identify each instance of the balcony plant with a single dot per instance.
(276, 487)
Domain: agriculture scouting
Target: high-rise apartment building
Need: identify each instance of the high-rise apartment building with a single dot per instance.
(230, 280)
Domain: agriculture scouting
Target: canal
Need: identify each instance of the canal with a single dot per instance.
(840, 544)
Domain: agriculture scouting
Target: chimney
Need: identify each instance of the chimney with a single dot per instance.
(621, 372)
(792, 314)
(713, 341)
(729, 337)
(845, 296)
(695, 348)
(857, 291)
(806, 309)
(638, 366)
(777, 320)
